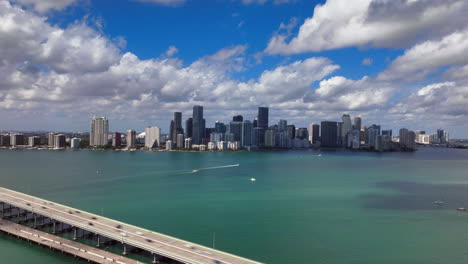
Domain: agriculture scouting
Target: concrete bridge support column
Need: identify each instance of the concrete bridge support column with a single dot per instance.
(125, 250)
(35, 220)
(98, 241)
(74, 234)
(53, 228)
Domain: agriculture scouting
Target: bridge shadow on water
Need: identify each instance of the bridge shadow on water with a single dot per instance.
(416, 196)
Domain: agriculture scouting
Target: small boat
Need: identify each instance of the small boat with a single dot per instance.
(438, 202)
(195, 171)
(319, 155)
(253, 179)
(461, 209)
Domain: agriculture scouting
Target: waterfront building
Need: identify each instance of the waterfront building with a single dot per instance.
(16, 139)
(247, 133)
(75, 143)
(152, 137)
(216, 137)
(379, 144)
(302, 133)
(198, 125)
(258, 137)
(270, 138)
(176, 128)
(220, 127)
(329, 134)
(339, 132)
(188, 143)
(282, 125)
(255, 122)
(234, 145)
(364, 134)
(387, 132)
(354, 139)
(4, 140)
(346, 128)
(117, 140)
(235, 128)
(357, 123)
(180, 140)
(238, 118)
(222, 145)
(263, 117)
(211, 145)
(229, 137)
(169, 144)
(291, 131)
(314, 133)
(99, 131)
(34, 141)
(407, 139)
(372, 133)
(59, 141)
(50, 139)
(131, 138)
(282, 139)
(423, 139)
(188, 127)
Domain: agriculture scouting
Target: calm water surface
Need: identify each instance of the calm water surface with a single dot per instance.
(340, 207)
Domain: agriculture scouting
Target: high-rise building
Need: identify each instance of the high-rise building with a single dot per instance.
(258, 137)
(99, 131)
(50, 138)
(176, 128)
(346, 128)
(270, 138)
(117, 140)
(339, 132)
(16, 139)
(291, 131)
(152, 137)
(328, 133)
(180, 140)
(188, 127)
(59, 141)
(236, 129)
(407, 139)
(75, 143)
(220, 127)
(372, 133)
(314, 133)
(131, 138)
(5, 140)
(188, 143)
(387, 132)
(357, 123)
(255, 123)
(283, 125)
(263, 117)
(34, 141)
(237, 118)
(247, 133)
(216, 137)
(198, 130)
(168, 144)
(302, 133)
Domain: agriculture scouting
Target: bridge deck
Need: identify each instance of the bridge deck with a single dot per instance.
(174, 248)
(88, 253)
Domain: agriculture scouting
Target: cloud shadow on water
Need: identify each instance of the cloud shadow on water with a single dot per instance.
(417, 196)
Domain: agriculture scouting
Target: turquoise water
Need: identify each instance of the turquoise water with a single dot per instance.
(340, 207)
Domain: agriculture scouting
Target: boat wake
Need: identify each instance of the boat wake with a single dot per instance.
(217, 167)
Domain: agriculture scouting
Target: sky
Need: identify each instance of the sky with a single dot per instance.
(397, 63)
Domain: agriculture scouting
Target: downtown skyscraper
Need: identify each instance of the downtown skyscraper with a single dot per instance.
(263, 117)
(198, 125)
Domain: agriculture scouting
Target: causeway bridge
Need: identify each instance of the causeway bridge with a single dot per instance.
(36, 212)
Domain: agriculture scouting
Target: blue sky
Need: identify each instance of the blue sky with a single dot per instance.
(137, 61)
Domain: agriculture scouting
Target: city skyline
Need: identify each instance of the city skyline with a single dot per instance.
(387, 62)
